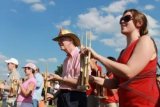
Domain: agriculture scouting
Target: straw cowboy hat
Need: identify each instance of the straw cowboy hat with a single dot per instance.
(67, 33)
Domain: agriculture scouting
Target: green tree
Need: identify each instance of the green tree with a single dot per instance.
(59, 70)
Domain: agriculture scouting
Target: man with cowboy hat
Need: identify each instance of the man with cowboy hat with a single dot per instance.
(10, 87)
(69, 95)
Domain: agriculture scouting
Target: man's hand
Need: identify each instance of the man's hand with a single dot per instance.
(93, 64)
(55, 77)
(49, 96)
(2, 85)
(19, 82)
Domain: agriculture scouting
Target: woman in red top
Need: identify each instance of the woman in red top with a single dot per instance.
(135, 69)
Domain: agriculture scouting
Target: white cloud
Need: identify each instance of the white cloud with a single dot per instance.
(31, 61)
(89, 20)
(3, 67)
(153, 25)
(31, 1)
(100, 24)
(42, 59)
(48, 60)
(93, 37)
(38, 7)
(52, 59)
(154, 32)
(118, 6)
(149, 7)
(3, 72)
(157, 43)
(63, 24)
(2, 57)
(118, 42)
(51, 3)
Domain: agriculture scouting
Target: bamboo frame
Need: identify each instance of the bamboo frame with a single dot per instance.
(85, 65)
(45, 84)
(14, 87)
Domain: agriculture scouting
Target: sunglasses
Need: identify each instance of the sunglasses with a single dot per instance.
(63, 38)
(27, 68)
(126, 18)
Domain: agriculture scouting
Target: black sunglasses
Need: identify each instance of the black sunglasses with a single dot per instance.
(126, 18)
(27, 68)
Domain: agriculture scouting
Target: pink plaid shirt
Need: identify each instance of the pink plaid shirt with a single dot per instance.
(71, 67)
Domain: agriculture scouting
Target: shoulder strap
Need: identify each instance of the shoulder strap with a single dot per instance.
(156, 51)
(155, 45)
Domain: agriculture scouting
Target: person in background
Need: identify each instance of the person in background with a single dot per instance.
(38, 90)
(26, 89)
(69, 95)
(10, 86)
(110, 95)
(95, 90)
(53, 93)
(135, 69)
(158, 75)
(56, 87)
(158, 81)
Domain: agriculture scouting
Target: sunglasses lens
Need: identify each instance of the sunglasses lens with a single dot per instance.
(27, 68)
(126, 18)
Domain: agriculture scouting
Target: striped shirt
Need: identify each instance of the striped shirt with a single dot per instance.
(71, 67)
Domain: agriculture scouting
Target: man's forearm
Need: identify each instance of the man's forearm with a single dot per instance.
(69, 81)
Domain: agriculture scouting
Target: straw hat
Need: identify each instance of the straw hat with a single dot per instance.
(67, 33)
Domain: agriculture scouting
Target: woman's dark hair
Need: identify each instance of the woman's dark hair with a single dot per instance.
(113, 59)
(16, 66)
(33, 71)
(139, 17)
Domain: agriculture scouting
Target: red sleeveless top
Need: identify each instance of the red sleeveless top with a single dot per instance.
(141, 90)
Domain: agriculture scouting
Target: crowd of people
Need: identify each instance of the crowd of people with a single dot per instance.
(129, 81)
(27, 91)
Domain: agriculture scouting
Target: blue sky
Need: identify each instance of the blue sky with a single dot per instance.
(28, 26)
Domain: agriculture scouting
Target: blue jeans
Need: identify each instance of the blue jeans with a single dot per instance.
(4, 103)
(35, 103)
(72, 99)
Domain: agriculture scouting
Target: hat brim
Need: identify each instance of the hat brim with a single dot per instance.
(28, 67)
(25, 67)
(70, 35)
(8, 61)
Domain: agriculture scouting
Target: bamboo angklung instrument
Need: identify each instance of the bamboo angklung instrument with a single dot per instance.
(100, 89)
(45, 84)
(14, 87)
(84, 66)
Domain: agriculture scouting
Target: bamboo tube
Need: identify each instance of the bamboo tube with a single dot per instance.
(84, 63)
(45, 84)
(88, 60)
